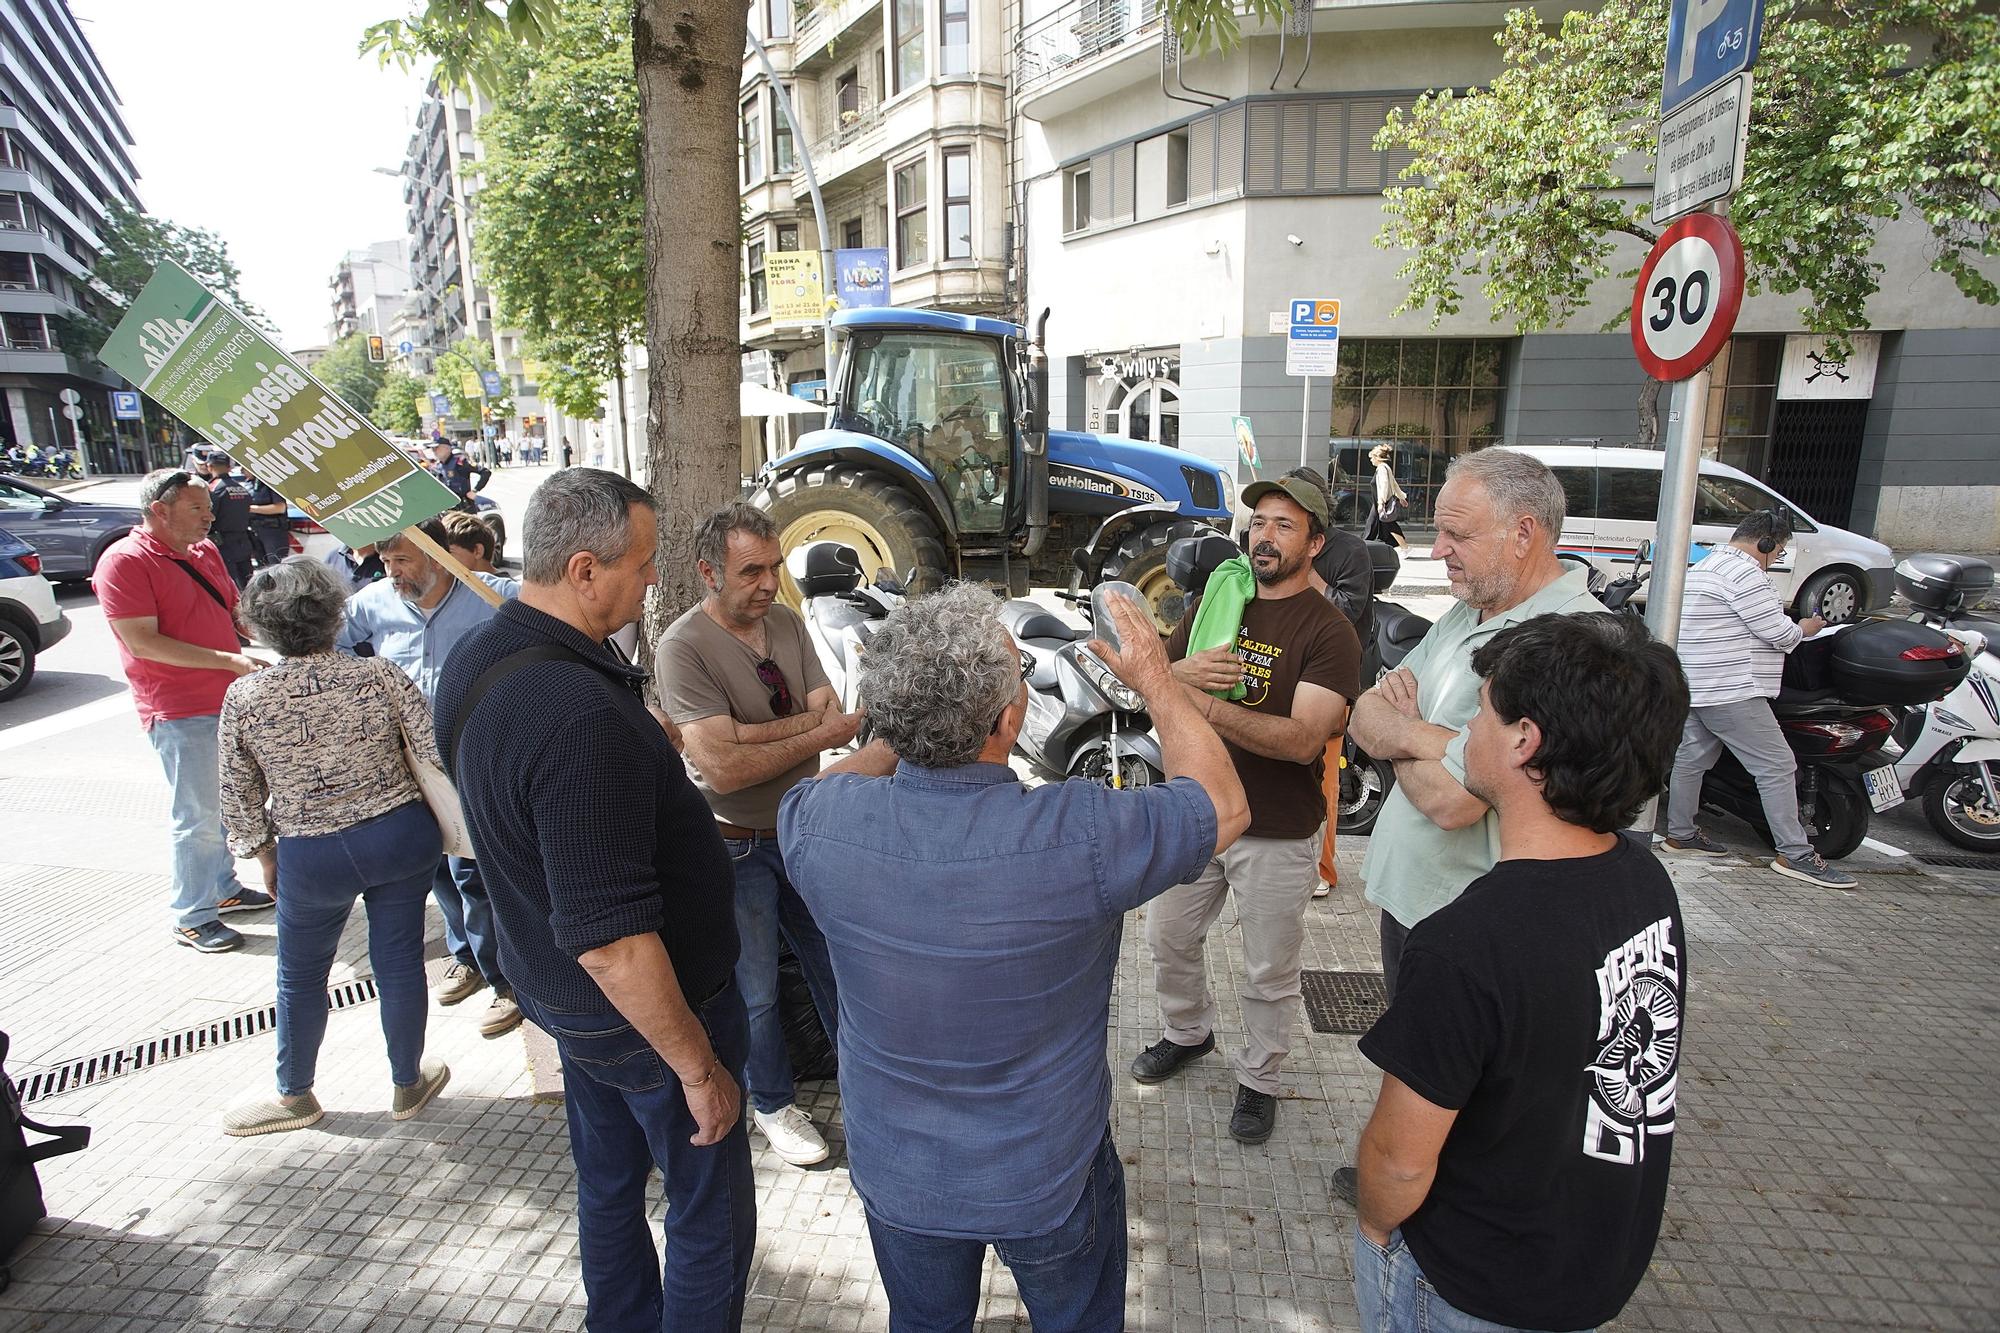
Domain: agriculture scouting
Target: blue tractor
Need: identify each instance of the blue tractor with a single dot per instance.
(937, 463)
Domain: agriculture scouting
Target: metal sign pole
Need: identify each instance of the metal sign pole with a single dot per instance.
(1673, 533)
(1305, 414)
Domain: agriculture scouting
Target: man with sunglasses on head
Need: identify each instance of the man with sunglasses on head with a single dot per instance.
(740, 679)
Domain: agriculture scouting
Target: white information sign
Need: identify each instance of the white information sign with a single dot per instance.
(1312, 336)
(1700, 157)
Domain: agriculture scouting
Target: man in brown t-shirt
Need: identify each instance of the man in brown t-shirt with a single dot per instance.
(1301, 663)
(741, 681)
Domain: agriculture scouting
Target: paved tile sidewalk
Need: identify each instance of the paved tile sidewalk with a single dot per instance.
(1836, 1163)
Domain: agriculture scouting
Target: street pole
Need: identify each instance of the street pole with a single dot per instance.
(1673, 533)
(804, 155)
(1305, 414)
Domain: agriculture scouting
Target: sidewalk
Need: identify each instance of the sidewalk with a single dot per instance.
(1836, 1162)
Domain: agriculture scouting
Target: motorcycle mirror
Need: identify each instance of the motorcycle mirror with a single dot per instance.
(1644, 555)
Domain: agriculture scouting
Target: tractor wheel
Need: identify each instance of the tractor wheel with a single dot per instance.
(1140, 559)
(866, 510)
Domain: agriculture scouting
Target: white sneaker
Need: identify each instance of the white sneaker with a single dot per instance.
(791, 1135)
(1321, 889)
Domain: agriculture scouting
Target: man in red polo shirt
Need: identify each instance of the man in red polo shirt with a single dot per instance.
(172, 604)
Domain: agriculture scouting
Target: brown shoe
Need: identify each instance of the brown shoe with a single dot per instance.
(502, 1016)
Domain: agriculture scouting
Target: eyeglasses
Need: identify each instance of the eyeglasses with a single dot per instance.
(1027, 663)
(774, 680)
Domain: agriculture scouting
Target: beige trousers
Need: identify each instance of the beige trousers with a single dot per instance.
(1272, 881)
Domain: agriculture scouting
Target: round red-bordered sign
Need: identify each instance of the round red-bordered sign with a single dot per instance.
(1688, 296)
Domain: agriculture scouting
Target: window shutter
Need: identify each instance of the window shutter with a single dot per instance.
(1364, 165)
(1395, 160)
(1201, 160)
(1329, 145)
(1295, 148)
(1100, 189)
(1124, 167)
(1229, 154)
(1261, 175)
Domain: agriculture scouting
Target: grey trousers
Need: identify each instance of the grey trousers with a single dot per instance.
(1272, 881)
(1750, 730)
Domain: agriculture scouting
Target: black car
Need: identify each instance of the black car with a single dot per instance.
(68, 534)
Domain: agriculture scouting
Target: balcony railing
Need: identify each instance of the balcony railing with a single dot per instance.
(840, 121)
(1077, 31)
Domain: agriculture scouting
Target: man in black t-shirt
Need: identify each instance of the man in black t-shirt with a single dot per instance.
(1300, 663)
(1516, 1162)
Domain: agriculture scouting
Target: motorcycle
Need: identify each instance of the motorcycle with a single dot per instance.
(1946, 752)
(1365, 781)
(1082, 722)
(841, 614)
(1836, 710)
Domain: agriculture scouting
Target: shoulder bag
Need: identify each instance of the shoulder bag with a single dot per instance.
(438, 792)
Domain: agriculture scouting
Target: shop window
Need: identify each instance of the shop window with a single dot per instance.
(1429, 399)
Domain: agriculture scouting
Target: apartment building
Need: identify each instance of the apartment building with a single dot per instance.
(903, 108)
(447, 301)
(1173, 207)
(370, 287)
(65, 157)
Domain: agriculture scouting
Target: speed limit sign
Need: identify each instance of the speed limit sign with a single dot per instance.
(1689, 292)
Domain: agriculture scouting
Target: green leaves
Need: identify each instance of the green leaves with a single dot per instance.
(1866, 114)
(395, 411)
(347, 371)
(468, 43)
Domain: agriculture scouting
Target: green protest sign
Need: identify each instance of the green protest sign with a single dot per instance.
(190, 352)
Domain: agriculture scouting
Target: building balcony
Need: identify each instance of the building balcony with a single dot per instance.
(826, 33)
(26, 240)
(1081, 41)
(33, 186)
(50, 361)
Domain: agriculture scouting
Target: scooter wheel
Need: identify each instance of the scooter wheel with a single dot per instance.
(1957, 807)
(1836, 820)
(1365, 783)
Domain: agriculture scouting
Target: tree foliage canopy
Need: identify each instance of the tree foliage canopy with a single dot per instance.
(560, 232)
(395, 411)
(466, 43)
(134, 245)
(347, 371)
(455, 375)
(1863, 111)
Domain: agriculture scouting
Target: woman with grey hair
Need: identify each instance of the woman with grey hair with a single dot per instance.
(315, 786)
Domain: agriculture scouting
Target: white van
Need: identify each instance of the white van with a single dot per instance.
(1613, 498)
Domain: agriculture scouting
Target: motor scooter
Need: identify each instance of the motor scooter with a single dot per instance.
(1365, 781)
(1837, 726)
(841, 614)
(1947, 752)
(1082, 722)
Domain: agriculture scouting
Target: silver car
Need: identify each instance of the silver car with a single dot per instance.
(68, 534)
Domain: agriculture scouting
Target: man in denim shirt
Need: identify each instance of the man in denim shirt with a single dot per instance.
(974, 924)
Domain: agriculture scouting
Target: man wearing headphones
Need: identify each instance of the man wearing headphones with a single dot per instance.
(1733, 641)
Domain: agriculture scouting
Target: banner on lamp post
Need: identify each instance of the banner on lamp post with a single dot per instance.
(797, 294)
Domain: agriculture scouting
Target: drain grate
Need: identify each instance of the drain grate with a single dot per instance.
(145, 1054)
(1343, 1001)
(1960, 862)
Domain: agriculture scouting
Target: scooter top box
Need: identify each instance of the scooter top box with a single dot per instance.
(1895, 662)
(1942, 584)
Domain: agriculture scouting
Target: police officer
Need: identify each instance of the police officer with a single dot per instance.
(230, 495)
(455, 471)
(270, 522)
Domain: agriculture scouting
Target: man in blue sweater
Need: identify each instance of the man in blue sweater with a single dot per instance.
(612, 891)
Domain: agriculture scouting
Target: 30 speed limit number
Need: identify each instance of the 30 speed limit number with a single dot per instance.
(1688, 296)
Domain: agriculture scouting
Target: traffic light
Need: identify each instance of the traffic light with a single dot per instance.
(376, 350)
(486, 413)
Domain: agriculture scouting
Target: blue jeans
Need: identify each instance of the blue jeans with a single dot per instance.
(1392, 1296)
(204, 871)
(386, 862)
(627, 1114)
(1071, 1279)
(766, 903)
(469, 932)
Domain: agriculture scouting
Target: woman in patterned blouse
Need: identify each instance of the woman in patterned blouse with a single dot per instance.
(314, 785)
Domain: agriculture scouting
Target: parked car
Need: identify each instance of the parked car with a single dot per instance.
(1614, 498)
(30, 621)
(68, 534)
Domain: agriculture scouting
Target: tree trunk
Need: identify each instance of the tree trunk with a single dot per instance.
(624, 427)
(689, 58)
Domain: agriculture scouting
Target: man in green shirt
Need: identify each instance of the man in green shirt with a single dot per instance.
(1499, 517)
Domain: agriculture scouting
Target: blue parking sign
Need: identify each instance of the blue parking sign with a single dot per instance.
(1708, 42)
(125, 405)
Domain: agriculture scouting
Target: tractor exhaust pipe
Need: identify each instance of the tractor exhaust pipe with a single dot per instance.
(1035, 438)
